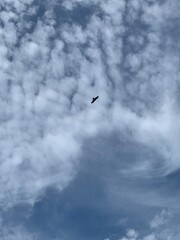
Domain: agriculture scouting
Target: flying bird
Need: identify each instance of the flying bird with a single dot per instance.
(94, 99)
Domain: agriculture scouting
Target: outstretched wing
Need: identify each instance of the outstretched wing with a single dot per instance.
(94, 99)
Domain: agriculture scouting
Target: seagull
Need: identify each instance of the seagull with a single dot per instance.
(94, 99)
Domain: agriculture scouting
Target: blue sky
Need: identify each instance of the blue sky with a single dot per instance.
(72, 170)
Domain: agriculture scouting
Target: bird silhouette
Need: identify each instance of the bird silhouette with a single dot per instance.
(94, 99)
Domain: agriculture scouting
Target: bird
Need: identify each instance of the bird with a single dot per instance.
(94, 99)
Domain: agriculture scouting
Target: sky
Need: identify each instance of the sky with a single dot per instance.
(72, 170)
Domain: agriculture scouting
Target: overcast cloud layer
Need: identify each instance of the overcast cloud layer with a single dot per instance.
(55, 56)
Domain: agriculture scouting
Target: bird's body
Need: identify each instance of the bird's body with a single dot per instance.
(94, 99)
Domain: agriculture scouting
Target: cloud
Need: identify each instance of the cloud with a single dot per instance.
(18, 234)
(131, 233)
(15, 233)
(162, 224)
(48, 79)
(51, 68)
(160, 219)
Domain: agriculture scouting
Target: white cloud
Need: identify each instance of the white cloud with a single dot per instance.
(17, 234)
(9, 232)
(163, 226)
(160, 219)
(150, 237)
(131, 233)
(45, 111)
(45, 95)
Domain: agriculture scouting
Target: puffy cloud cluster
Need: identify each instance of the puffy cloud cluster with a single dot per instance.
(163, 226)
(49, 72)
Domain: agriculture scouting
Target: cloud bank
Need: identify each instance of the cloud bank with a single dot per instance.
(51, 67)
